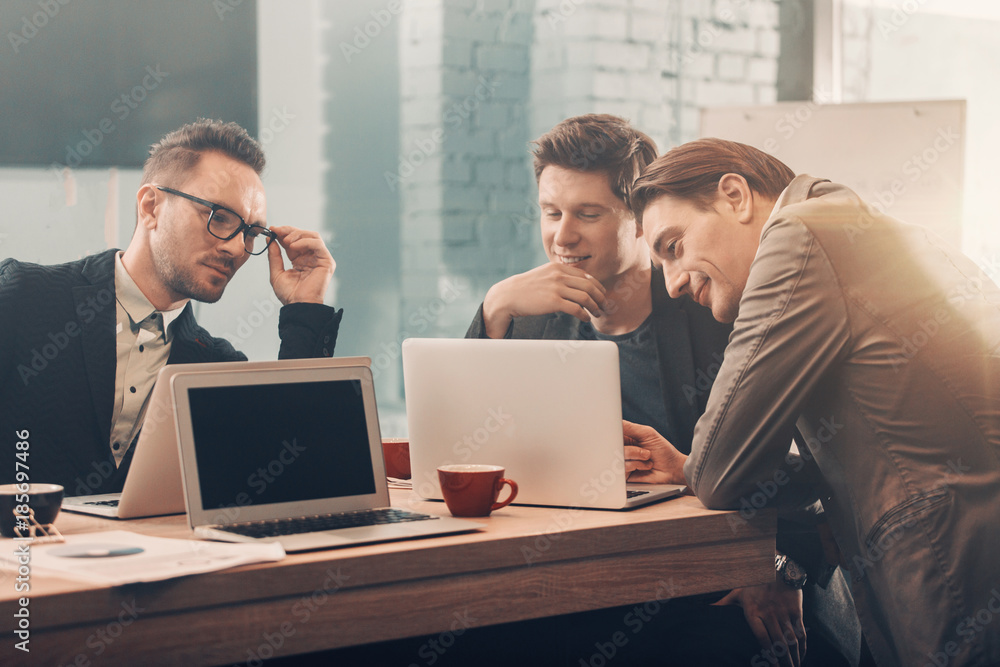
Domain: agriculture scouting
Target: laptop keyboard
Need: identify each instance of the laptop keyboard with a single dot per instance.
(635, 494)
(103, 503)
(316, 524)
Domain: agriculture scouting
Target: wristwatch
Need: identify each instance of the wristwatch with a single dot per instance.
(789, 571)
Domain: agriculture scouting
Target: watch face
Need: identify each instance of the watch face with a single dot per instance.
(792, 570)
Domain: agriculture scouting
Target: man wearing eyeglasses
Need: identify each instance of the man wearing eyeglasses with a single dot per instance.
(81, 343)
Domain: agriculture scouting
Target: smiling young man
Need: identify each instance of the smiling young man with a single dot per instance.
(81, 343)
(883, 345)
(599, 284)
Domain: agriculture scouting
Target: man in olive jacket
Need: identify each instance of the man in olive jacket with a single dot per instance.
(883, 345)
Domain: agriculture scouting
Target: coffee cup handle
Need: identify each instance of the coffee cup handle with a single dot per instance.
(510, 498)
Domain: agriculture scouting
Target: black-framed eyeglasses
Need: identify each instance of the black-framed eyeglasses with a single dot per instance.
(225, 223)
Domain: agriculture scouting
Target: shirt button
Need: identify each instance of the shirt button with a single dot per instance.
(141, 348)
(132, 389)
(116, 446)
(326, 339)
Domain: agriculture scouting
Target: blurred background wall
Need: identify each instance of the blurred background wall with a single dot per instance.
(400, 129)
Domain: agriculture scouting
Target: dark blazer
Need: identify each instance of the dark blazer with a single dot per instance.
(58, 359)
(689, 341)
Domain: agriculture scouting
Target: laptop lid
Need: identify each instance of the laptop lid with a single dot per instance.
(549, 411)
(153, 486)
(278, 443)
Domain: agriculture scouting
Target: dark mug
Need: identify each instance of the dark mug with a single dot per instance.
(43, 500)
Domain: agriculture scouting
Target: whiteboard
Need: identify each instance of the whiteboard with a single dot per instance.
(905, 158)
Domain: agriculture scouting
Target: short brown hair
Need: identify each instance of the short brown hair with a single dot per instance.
(692, 171)
(597, 142)
(180, 150)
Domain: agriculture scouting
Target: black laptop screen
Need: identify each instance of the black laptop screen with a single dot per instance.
(279, 443)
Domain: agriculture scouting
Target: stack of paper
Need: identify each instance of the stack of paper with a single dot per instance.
(118, 557)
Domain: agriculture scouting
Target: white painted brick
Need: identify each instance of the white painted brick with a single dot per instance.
(420, 82)
(856, 20)
(652, 5)
(764, 14)
(463, 143)
(488, 173)
(464, 198)
(501, 57)
(612, 25)
(697, 8)
(618, 55)
(419, 227)
(512, 143)
(645, 87)
(719, 94)
(428, 197)
(596, 23)
(763, 70)
(488, 6)
(504, 85)
(506, 201)
(519, 174)
(495, 230)
(741, 40)
(768, 43)
(469, 26)
(730, 14)
(422, 257)
(422, 112)
(423, 25)
(579, 53)
(648, 27)
(699, 65)
(690, 125)
(731, 67)
(493, 115)
(458, 228)
(625, 109)
(437, 52)
(688, 88)
(454, 169)
(548, 56)
(656, 119)
(518, 30)
(608, 86)
(766, 94)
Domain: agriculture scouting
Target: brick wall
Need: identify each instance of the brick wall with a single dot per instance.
(463, 173)
(481, 78)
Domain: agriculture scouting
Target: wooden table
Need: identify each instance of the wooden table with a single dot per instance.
(528, 562)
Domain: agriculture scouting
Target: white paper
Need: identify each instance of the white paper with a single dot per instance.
(161, 558)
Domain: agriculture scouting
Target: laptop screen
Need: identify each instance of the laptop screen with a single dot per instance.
(276, 443)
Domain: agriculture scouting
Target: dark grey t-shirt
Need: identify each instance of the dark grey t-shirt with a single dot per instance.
(639, 364)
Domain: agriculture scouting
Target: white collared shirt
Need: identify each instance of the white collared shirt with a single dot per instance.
(143, 347)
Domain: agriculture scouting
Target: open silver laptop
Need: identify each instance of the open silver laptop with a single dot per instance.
(153, 486)
(549, 411)
(292, 456)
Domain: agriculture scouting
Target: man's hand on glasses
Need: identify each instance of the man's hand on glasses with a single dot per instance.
(312, 266)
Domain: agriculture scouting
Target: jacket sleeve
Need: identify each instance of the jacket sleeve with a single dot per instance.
(792, 327)
(308, 330)
(478, 327)
(9, 316)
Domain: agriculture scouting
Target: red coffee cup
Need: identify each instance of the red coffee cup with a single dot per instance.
(472, 490)
(396, 452)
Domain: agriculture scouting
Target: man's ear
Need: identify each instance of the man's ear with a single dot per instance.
(735, 193)
(146, 206)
